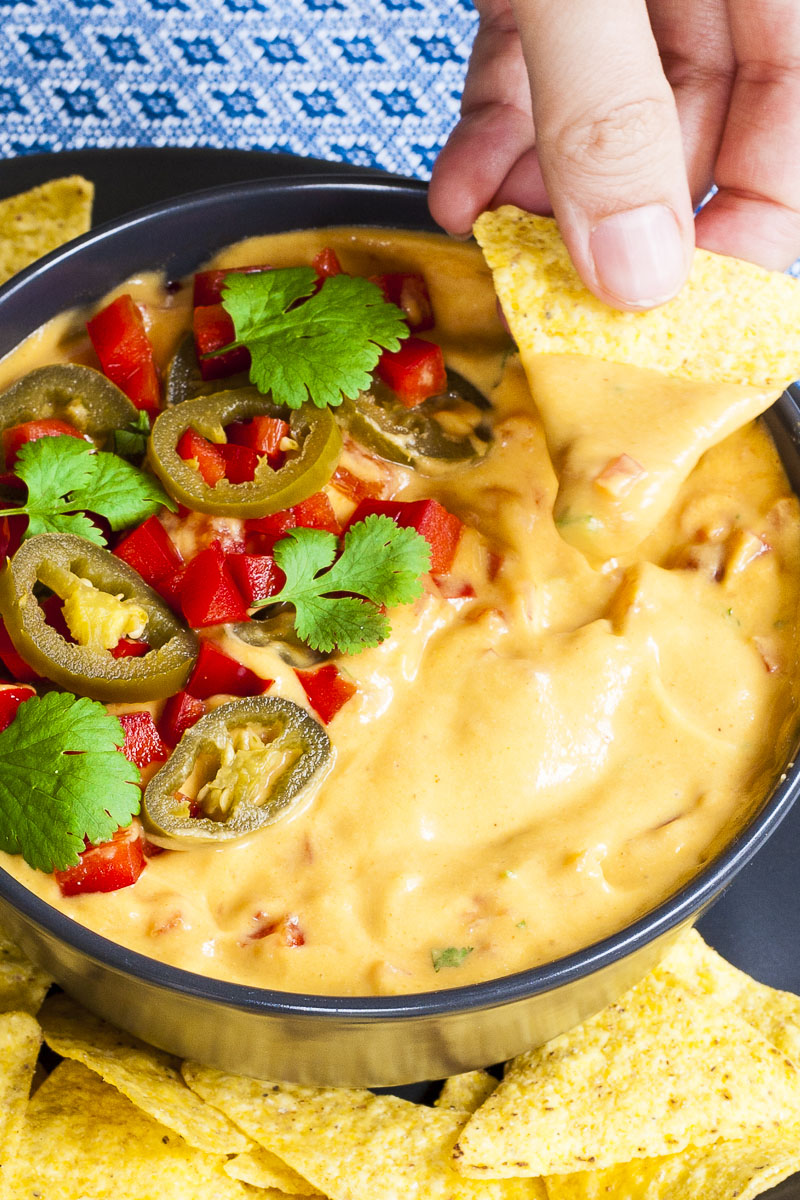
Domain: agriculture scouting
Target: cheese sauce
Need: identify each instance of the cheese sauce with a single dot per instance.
(543, 749)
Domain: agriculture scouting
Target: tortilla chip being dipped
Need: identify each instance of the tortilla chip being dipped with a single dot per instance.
(630, 401)
(35, 222)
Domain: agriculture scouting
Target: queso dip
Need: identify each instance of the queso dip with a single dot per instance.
(543, 749)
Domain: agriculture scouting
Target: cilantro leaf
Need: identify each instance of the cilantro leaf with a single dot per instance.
(380, 564)
(450, 956)
(63, 779)
(131, 442)
(66, 477)
(322, 349)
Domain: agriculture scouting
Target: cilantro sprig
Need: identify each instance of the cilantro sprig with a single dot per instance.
(63, 779)
(306, 344)
(66, 478)
(380, 564)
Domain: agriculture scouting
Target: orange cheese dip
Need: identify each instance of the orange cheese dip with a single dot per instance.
(543, 749)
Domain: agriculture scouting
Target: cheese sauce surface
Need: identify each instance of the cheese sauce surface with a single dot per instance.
(543, 749)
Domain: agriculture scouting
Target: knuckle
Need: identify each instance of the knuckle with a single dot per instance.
(623, 139)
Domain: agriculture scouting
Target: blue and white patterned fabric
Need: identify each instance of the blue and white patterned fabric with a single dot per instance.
(371, 82)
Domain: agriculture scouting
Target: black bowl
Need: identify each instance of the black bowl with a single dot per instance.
(373, 1041)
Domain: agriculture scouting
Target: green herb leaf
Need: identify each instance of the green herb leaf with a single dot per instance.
(66, 478)
(380, 564)
(451, 956)
(63, 779)
(131, 442)
(322, 349)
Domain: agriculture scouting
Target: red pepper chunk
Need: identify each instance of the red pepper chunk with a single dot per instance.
(13, 662)
(143, 744)
(129, 648)
(180, 712)
(414, 372)
(440, 528)
(215, 673)
(314, 513)
(327, 690)
(193, 447)
(17, 436)
(208, 594)
(213, 329)
(262, 434)
(151, 551)
(408, 291)
(257, 576)
(208, 285)
(240, 462)
(326, 263)
(10, 700)
(125, 352)
(108, 867)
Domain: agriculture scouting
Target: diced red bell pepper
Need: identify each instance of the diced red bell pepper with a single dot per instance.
(326, 263)
(262, 434)
(208, 594)
(10, 700)
(17, 436)
(208, 285)
(414, 372)
(13, 661)
(11, 531)
(170, 588)
(143, 744)
(180, 712)
(354, 486)
(286, 928)
(213, 329)
(240, 462)
(108, 867)
(53, 609)
(193, 447)
(314, 513)
(408, 291)
(327, 689)
(125, 352)
(216, 673)
(129, 648)
(257, 576)
(440, 528)
(150, 550)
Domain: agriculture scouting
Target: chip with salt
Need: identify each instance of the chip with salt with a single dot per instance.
(33, 223)
(660, 1069)
(467, 1092)
(148, 1077)
(350, 1142)
(22, 985)
(20, 1038)
(81, 1138)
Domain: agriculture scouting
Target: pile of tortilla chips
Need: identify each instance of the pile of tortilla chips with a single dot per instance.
(36, 222)
(688, 1088)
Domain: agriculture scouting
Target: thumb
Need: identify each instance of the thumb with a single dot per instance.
(609, 146)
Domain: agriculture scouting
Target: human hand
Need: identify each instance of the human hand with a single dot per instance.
(637, 106)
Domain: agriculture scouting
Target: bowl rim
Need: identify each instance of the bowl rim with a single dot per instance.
(681, 907)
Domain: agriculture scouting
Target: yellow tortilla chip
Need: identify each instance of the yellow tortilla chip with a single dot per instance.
(736, 1170)
(660, 1069)
(20, 1038)
(262, 1169)
(33, 223)
(22, 985)
(82, 1139)
(733, 322)
(351, 1143)
(466, 1093)
(149, 1078)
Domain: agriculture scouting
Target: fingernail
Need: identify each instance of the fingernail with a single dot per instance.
(639, 255)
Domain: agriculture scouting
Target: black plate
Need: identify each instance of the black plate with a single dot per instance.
(756, 923)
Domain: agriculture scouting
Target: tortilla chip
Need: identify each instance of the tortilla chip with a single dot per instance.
(20, 1038)
(149, 1078)
(466, 1093)
(262, 1169)
(660, 1069)
(732, 322)
(33, 223)
(351, 1143)
(22, 985)
(81, 1139)
(737, 1170)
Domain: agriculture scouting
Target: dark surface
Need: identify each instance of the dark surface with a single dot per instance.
(756, 923)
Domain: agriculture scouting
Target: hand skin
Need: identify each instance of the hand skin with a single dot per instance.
(616, 116)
